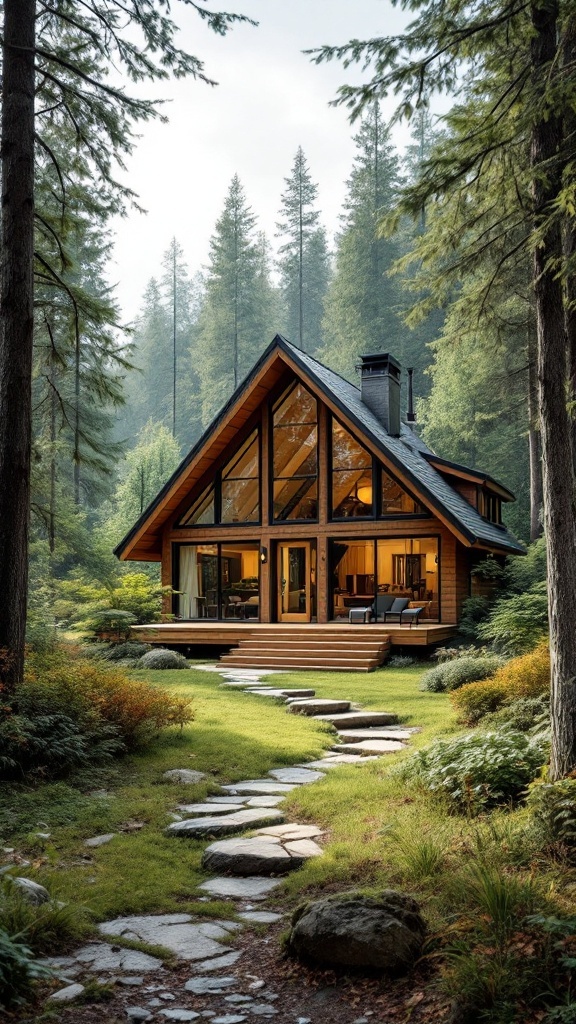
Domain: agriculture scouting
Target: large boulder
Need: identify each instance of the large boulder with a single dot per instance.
(350, 930)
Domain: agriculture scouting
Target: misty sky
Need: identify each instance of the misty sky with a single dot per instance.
(270, 99)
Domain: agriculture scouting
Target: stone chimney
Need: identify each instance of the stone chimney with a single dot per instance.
(380, 389)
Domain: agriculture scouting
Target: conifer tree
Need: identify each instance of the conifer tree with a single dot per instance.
(238, 314)
(362, 300)
(303, 258)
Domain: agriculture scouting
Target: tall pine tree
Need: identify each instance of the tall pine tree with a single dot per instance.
(303, 258)
(239, 311)
(361, 304)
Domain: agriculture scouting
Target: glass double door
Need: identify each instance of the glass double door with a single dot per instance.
(295, 586)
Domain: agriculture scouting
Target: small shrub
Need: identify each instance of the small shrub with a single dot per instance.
(477, 771)
(400, 661)
(52, 745)
(46, 927)
(526, 676)
(442, 654)
(518, 623)
(18, 972)
(523, 715)
(110, 623)
(553, 806)
(450, 675)
(163, 659)
(474, 611)
(131, 649)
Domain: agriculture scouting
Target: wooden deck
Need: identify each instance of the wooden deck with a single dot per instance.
(230, 634)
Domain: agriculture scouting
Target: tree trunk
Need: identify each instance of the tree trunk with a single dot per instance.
(552, 368)
(569, 132)
(534, 452)
(16, 329)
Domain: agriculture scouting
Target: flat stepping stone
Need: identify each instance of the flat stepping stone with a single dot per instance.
(298, 776)
(184, 776)
(260, 916)
(263, 855)
(319, 707)
(101, 956)
(205, 986)
(254, 888)
(190, 939)
(218, 962)
(243, 684)
(372, 747)
(355, 735)
(339, 759)
(238, 821)
(257, 787)
(210, 808)
(269, 691)
(358, 719)
(286, 832)
(225, 800)
(100, 840)
(264, 801)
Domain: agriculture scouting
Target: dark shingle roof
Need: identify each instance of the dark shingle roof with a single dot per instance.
(408, 453)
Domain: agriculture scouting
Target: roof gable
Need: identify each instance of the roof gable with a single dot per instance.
(407, 454)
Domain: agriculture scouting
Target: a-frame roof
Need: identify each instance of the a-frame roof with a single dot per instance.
(407, 454)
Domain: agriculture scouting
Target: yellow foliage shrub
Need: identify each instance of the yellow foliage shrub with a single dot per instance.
(68, 681)
(526, 676)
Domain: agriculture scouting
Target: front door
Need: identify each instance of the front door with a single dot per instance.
(294, 597)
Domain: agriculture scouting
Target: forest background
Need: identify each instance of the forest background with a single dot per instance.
(115, 410)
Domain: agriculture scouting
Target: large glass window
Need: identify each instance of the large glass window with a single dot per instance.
(202, 512)
(240, 485)
(295, 455)
(398, 566)
(352, 492)
(198, 581)
(234, 495)
(219, 581)
(396, 501)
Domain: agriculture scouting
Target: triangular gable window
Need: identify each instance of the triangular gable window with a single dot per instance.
(396, 501)
(234, 495)
(352, 489)
(202, 512)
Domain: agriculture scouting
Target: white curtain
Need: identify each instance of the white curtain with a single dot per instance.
(187, 604)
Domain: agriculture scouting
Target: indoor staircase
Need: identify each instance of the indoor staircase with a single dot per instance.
(311, 647)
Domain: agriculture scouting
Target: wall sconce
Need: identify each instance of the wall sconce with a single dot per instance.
(263, 555)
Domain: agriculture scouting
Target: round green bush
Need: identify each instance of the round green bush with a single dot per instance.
(451, 675)
(161, 658)
(127, 650)
(479, 770)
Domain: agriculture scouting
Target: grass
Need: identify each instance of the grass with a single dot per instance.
(476, 879)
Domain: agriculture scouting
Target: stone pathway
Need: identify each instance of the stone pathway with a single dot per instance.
(247, 867)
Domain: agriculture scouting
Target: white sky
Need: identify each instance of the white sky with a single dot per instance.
(270, 99)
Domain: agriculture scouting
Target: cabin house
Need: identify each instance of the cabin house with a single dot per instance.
(305, 500)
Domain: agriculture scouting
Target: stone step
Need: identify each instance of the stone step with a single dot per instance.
(254, 888)
(258, 787)
(298, 776)
(238, 821)
(358, 719)
(370, 747)
(266, 691)
(261, 855)
(314, 645)
(355, 735)
(319, 706)
(339, 759)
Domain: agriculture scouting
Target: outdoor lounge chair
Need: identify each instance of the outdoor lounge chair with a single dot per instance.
(411, 614)
(398, 606)
(380, 606)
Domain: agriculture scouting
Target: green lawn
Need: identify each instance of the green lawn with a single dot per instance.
(234, 735)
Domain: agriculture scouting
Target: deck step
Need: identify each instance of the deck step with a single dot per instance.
(311, 647)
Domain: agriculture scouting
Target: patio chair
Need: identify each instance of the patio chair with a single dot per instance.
(411, 614)
(379, 607)
(399, 605)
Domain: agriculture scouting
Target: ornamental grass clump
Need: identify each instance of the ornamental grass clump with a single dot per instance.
(477, 771)
(526, 676)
